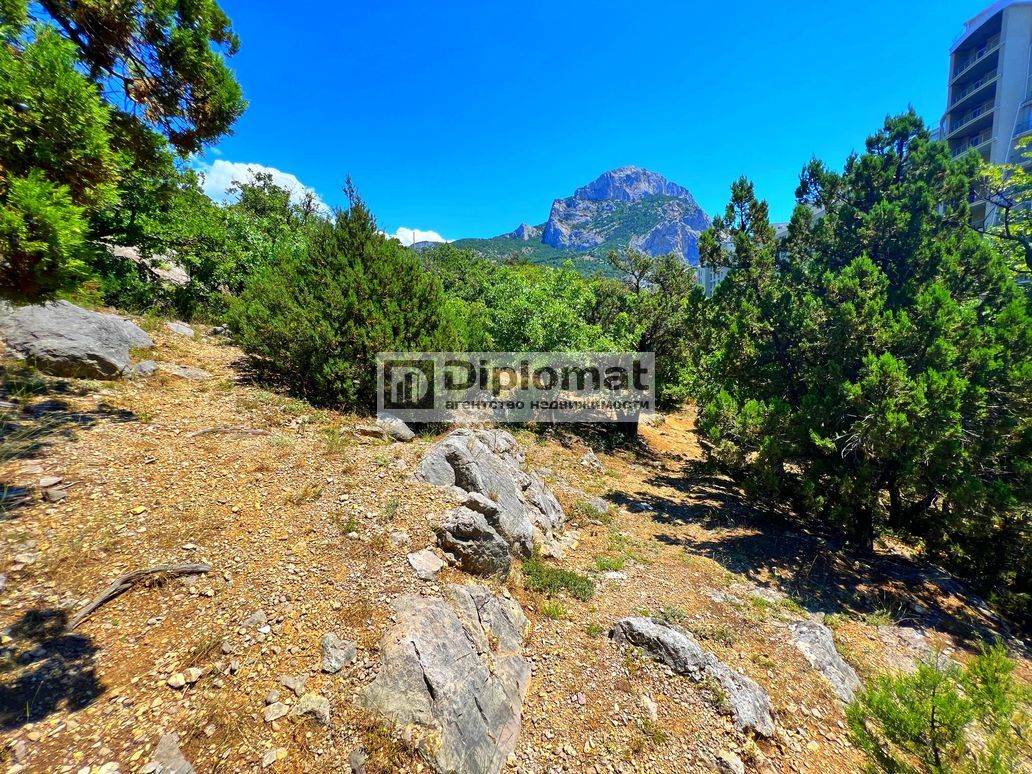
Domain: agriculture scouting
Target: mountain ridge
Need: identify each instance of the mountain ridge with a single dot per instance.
(625, 207)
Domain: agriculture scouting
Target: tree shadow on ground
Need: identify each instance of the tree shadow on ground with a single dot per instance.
(767, 543)
(35, 413)
(45, 669)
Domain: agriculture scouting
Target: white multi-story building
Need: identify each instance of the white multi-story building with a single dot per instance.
(989, 88)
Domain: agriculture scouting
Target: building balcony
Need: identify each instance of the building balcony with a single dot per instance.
(973, 92)
(987, 49)
(980, 142)
(973, 120)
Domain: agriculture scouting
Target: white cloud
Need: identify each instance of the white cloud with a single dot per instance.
(408, 236)
(220, 174)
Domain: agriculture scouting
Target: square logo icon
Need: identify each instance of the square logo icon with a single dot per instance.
(408, 384)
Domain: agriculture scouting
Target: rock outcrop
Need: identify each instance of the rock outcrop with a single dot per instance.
(632, 207)
(816, 642)
(393, 427)
(502, 499)
(476, 545)
(453, 675)
(747, 703)
(63, 339)
(525, 233)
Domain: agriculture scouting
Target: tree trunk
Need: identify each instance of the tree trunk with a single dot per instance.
(861, 531)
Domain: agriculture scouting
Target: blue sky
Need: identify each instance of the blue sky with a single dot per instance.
(468, 118)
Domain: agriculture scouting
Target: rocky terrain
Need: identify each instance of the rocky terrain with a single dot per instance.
(625, 207)
(202, 574)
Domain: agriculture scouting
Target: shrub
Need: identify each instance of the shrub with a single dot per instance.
(552, 580)
(942, 718)
(41, 235)
(318, 315)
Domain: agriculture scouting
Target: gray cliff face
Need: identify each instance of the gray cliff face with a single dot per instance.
(632, 207)
(525, 232)
(629, 184)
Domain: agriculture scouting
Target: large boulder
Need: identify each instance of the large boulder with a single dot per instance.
(747, 703)
(453, 675)
(816, 642)
(63, 339)
(491, 464)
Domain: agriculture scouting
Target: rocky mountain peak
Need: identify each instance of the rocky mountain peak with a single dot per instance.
(629, 184)
(628, 207)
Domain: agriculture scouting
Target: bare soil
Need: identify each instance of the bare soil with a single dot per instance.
(272, 514)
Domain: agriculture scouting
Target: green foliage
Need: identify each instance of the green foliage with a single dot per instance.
(161, 63)
(318, 314)
(553, 609)
(604, 563)
(40, 237)
(1007, 190)
(875, 366)
(539, 576)
(526, 308)
(165, 57)
(943, 718)
(55, 163)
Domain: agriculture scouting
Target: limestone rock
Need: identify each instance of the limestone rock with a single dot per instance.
(180, 329)
(168, 758)
(479, 549)
(314, 706)
(747, 702)
(628, 206)
(489, 463)
(145, 368)
(426, 564)
(817, 643)
(184, 372)
(336, 653)
(394, 427)
(453, 673)
(63, 339)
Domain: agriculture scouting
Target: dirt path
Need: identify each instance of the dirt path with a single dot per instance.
(304, 525)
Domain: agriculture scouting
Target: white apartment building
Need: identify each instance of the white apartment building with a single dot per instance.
(989, 87)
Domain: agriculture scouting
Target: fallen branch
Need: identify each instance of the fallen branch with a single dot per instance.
(126, 582)
(228, 431)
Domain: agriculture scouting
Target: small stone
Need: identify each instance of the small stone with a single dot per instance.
(314, 706)
(54, 495)
(168, 758)
(273, 756)
(357, 760)
(729, 763)
(26, 558)
(651, 708)
(295, 684)
(189, 547)
(180, 329)
(48, 481)
(426, 564)
(177, 680)
(272, 696)
(255, 619)
(193, 674)
(400, 538)
(336, 653)
(275, 711)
